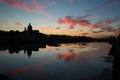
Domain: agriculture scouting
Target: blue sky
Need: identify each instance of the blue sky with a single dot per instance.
(94, 18)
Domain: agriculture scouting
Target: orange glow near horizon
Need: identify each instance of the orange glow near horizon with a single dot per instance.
(83, 31)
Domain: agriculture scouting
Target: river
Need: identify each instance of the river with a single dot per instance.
(74, 61)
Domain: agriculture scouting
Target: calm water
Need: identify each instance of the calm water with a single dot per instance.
(66, 62)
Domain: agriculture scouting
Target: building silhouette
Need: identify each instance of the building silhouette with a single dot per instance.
(30, 29)
(30, 35)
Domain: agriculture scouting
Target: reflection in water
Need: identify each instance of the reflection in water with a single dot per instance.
(66, 56)
(16, 48)
(29, 53)
(108, 59)
(104, 75)
(66, 62)
(35, 69)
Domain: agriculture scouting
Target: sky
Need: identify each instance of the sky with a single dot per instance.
(93, 18)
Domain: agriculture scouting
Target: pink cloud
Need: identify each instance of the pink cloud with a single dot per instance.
(18, 4)
(106, 24)
(18, 23)
(40, 8)
(71, 21)
(113, 20)
(37, 6)
(101, 26)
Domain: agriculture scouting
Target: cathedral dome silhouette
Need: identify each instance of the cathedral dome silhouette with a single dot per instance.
(29, 28)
